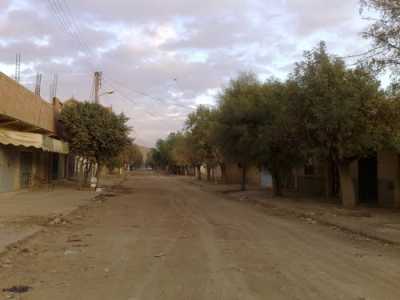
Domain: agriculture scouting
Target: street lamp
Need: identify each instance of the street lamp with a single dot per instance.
(107, 93)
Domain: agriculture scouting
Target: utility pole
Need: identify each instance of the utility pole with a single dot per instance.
(18, 67)
(38, 84)
(97, 86)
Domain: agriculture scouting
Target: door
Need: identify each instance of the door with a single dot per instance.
(368, 180)
(266, 179)
(26, 169)
(54, 165)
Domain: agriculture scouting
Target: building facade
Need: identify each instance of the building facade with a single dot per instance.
(31, 150)
(375, 180)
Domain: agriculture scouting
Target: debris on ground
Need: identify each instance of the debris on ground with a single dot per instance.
(59, 220)
(74, 240)
(110, 195)
(159, 255)
(18, 289)
(309, 220)
(70, 252)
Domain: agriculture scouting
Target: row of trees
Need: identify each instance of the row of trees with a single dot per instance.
(99, 136)
(324, 111)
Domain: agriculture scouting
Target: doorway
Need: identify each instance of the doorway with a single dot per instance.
(368, 180)
(54, 166)
(26, 169)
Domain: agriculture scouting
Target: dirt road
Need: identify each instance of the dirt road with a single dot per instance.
(163, 238)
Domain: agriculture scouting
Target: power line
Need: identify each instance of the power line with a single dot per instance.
(64, 15)
(150, 96)
(66, 12)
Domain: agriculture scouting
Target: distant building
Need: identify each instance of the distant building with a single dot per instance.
(32, 151)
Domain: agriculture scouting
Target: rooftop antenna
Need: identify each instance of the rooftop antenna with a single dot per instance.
(54, 86)
(18, 67)
(38, 84)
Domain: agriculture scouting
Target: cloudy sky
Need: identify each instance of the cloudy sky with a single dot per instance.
(162, 58)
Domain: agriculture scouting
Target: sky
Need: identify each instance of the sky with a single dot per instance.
(162, 58)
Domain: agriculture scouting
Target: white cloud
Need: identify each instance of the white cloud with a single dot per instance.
(178, 51)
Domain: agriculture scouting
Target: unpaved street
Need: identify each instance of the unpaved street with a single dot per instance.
(163, 238)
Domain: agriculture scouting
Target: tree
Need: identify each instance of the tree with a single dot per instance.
(95, 132)
(384, 33)
(238, 120)
(343, 112)
(280, 141)
(199, 126)
(130, 157)
(160, 155)
(135, 156)
(166, 155)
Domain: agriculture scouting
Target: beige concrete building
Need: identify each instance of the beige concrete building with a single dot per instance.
(375, 181)
(233, 175)
(31, 152)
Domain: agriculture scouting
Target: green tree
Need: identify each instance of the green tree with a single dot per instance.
(164, 154)
(182, 153)
(131, 156)
(280, 141)
(199, 126)
(95, 132)
(384, 32)
(238, 121)
(159, 155)
(343, 112)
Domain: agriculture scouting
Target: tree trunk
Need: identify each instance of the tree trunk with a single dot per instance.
(208, 173)
(198, 172)
(347, 190)
(244, 178)
(276, 185)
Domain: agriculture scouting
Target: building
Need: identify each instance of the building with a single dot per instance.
(255, 176)
(31, 151)
(375, 180)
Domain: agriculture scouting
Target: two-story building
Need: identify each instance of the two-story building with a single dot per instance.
(31, 150)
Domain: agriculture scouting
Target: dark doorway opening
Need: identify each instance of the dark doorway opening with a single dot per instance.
(368, 180)
(54, 173)
(26, 169)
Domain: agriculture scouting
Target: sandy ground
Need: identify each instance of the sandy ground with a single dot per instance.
(162, 238)
(374, 222)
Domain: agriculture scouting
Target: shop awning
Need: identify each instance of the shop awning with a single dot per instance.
(35, 140)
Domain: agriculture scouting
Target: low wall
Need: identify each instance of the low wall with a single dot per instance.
(17, 102)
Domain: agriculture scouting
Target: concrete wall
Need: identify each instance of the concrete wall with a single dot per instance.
(311, 185)
(388, 179)
(234, 175)
(19, 103)
(9, 169)
(215, 173)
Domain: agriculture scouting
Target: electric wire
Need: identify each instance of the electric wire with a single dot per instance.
(65, 17)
